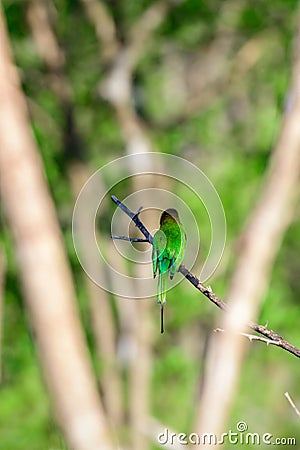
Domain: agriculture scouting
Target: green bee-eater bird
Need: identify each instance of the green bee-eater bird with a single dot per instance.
(169, 243)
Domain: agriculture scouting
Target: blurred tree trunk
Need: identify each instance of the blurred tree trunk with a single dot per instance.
(104, 331)
(104, 327)
(117, 89)
(259, 245)
(2, 283)
(44, 270)
(141, 364)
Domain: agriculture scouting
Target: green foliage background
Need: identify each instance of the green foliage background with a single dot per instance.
(230, 140)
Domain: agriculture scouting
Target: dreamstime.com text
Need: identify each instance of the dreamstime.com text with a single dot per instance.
(240, 436)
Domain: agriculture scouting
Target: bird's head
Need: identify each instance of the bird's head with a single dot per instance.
(169, 214)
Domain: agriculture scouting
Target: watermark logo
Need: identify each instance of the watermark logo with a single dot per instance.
(240, 436)
(155, 181)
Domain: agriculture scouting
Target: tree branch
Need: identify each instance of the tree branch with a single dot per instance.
(206, 290)
(287, 395)
(252, 337)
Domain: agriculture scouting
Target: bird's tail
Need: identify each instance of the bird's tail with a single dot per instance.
(162, 287)
(161, 296)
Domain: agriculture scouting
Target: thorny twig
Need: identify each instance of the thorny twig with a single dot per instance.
(252, 337)
(275, 338)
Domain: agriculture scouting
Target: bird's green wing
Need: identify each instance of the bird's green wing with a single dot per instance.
(179, 252)
(159, 245)
(154, 258)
